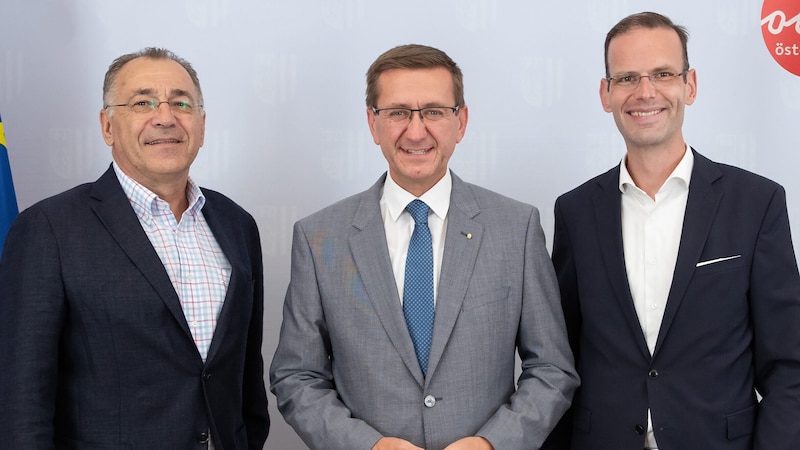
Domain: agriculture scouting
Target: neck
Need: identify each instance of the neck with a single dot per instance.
(650, 168)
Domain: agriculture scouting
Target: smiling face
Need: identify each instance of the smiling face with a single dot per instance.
(648, 116)
(417, 151)
(158, 147)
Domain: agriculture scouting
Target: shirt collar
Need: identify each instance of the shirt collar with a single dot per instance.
(146, 203)
(437, 197)
(682, 172)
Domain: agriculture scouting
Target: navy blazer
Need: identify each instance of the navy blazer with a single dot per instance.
(94, 347)
(730, 324)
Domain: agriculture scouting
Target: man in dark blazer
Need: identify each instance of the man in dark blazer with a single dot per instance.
(347, 372)
(678, 276)
(131, 307)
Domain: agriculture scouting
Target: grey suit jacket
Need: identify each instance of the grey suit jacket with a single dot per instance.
(345, 373)
(95, 352)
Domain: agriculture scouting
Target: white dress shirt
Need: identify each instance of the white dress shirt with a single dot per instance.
(399, 225)
(651, 235)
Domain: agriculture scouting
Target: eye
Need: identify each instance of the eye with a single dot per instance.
(181, 104)
(626, 79)
(143, 103)
(663, 75)
(398, 113)
(432, 112)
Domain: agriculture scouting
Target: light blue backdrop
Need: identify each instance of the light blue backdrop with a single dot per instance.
(284, 92)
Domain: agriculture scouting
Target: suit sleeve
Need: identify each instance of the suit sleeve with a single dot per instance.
(564, 263)
(301, 375)
(548, 379)
(32, 311)
(254, 393)
(775, 309)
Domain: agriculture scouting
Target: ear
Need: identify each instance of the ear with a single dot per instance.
(203, 128)
(105, 127)
(691, 86)
(605, 95)
(463, 117)
(372, 126)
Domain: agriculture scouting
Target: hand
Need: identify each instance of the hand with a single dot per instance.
(391, 443)
(470, 443)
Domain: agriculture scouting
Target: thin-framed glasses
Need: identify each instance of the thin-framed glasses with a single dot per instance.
(631, 80)
(429, 114)
(147, 106)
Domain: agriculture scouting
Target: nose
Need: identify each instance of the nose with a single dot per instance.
(416, 126)
(645, 88)
(163, 116)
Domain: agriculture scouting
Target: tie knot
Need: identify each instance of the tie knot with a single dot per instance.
(418, 210)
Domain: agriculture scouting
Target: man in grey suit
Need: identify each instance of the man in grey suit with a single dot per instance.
(131, 308)
(367, 359)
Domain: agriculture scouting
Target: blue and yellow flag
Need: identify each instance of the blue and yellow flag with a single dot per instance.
(8, 199)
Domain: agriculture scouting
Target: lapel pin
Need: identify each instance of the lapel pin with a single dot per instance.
(468, 235)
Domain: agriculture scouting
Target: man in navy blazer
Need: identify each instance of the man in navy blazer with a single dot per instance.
(678, 276)
(131, 307)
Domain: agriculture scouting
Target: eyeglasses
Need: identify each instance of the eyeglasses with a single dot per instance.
(147, 106)
(631, 80)
(430, 114)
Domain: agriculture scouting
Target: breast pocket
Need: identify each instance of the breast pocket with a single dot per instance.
(719, 265)
(485, 299)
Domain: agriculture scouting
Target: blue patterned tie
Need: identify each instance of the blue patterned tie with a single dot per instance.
(418, 285)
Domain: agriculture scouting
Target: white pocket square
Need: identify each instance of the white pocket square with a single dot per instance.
(713, 261)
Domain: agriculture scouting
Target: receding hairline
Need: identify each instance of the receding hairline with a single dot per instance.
(153, 54)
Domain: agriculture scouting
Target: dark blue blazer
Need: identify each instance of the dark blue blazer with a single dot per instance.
(730, 327)
(95, 352)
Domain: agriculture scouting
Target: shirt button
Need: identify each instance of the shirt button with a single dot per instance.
(430, 401)
(202, 438)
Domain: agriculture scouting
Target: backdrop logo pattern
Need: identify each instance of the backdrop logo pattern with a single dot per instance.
(780, 26)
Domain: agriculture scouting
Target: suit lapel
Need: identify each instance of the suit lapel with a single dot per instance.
(371, 256)
(608, 216)
(458, 262)
(113, 209)
(233, 252)
(701, 207)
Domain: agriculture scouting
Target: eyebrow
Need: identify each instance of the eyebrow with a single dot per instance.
(425, 105)
(652, 71)
(152, 92)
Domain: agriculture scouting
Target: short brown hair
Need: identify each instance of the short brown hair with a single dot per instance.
(152, 53)
(649, 20)
(413, 56)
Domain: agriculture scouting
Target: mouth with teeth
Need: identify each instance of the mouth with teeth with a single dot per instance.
(645, 113)
(163, 141)
(416, 151)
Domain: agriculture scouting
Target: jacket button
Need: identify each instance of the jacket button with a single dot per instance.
(653, 374)
(430, 401)
(206, 376)
(639, 429)
(202, 438)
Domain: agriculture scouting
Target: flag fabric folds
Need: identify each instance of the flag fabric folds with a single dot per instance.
(8, 199)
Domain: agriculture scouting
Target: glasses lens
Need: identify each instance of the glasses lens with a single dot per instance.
(181, 107)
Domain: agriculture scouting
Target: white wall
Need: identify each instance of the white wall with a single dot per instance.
(284, 92)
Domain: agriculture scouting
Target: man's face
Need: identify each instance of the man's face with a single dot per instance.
(155, 147)
(650, 114)
(417, 151)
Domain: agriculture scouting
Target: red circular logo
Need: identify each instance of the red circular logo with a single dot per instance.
(780, 26)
